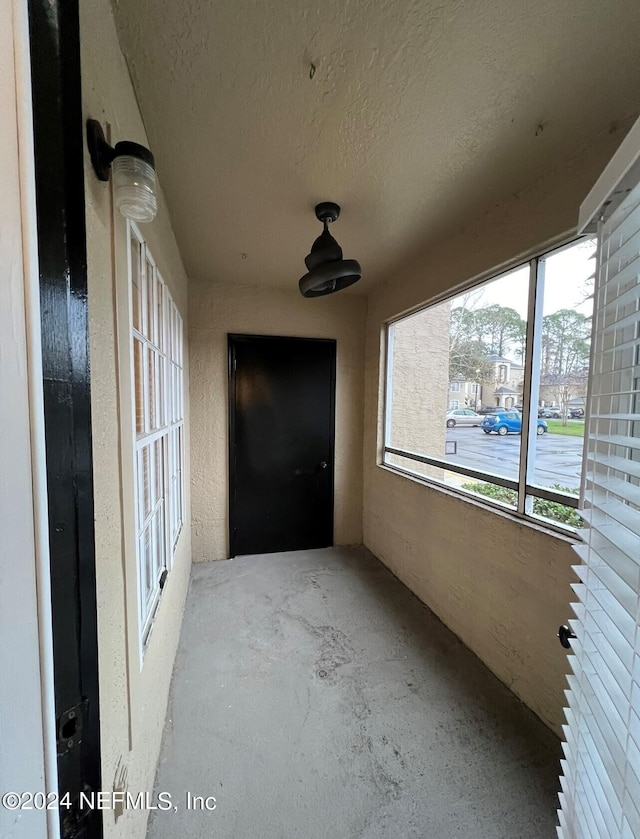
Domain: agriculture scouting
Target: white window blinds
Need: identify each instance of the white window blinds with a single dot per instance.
(601, 781)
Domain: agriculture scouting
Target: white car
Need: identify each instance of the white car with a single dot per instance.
(463, 416)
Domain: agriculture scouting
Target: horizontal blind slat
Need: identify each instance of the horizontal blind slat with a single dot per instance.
(621, 323)
(623, 440)
(620, 228)
(602, 757)
(623, 514)
(620, 294)
(615, 486)
(615, 463)
(607, 537)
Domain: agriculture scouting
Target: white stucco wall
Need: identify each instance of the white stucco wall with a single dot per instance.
(217, 309)
(132, 700)
(501, 586)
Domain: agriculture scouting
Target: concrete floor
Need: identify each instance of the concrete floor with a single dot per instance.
(314, 696)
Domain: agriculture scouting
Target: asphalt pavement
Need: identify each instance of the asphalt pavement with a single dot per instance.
(558, 458)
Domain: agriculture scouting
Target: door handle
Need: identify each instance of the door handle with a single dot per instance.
(323, 464)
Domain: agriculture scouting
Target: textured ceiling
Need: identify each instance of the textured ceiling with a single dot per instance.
(411, 114)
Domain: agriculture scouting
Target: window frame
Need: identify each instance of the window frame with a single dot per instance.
(524, 485)
(162, 524)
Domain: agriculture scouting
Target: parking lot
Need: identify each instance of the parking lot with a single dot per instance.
(558, 458)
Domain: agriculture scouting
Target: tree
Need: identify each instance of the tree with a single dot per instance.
(468, 362)
(565, 387)
(499, 327)
(466, 353)
(564, 368)
(475, 334)
(462, 326)
(565, 342)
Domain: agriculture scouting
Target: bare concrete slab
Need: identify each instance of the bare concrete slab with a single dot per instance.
(314, 696)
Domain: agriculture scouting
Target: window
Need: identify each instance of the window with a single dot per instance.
(453, 404)
(157, 357)
(521, 338)
(455, 387)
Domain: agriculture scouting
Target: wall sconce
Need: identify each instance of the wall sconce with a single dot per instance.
(328, 271)
(134, 174)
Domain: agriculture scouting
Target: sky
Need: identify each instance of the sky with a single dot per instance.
(566, 272)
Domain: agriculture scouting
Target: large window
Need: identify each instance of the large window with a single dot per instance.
(518, 345)
(157, 344)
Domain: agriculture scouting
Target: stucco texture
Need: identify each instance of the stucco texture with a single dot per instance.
(503, 587)
(217, 309)
(411, 114)
(132, 698)
(418, 383)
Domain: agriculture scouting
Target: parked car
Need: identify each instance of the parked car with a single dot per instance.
(576, 413)
(506, 422)
(491, 409)
(462, 416)
(549, 413)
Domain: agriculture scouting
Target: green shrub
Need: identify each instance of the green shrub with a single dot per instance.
(548, 509)
(507, 496)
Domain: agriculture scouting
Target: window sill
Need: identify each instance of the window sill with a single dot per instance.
(565, 535)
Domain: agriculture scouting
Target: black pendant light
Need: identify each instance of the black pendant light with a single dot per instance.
(328, 271)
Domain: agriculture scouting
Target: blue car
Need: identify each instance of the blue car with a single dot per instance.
(506, 422)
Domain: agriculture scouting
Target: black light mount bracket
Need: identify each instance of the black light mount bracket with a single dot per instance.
(327, 211)
(100, 151)
(102, 154)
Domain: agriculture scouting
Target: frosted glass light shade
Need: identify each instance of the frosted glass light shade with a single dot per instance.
(134, 183)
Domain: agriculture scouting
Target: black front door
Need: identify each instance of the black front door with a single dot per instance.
(281, 443)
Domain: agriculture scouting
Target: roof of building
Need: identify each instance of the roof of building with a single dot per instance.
(500, 359)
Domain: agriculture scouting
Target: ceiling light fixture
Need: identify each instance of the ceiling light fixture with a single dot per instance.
(134, 174)
(328, 271)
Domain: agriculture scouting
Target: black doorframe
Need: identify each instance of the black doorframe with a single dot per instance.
(58, 142)
(233, 338)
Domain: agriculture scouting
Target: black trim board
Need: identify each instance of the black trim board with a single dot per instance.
(58, 142)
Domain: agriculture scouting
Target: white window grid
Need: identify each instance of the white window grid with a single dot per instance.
(158, 424)
(455, 387)
(454, 404)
